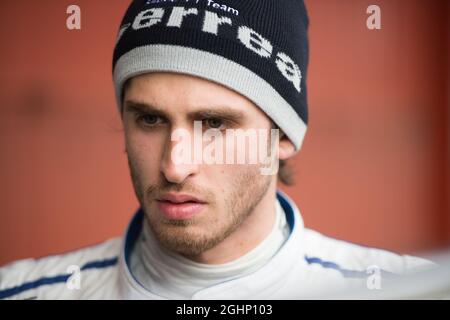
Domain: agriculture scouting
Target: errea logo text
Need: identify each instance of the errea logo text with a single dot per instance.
(213, 24)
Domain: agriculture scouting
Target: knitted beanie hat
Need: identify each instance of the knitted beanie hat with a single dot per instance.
(258, 48)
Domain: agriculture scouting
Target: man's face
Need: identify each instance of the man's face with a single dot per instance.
(154, 106)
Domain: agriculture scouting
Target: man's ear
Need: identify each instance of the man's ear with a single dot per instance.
(286, 148)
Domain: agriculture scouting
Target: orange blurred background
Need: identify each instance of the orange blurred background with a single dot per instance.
(374, 168)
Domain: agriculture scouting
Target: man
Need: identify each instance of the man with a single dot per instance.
(209, 228)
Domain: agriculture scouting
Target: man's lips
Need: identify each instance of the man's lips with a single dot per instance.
(179, 206)
(179, 198)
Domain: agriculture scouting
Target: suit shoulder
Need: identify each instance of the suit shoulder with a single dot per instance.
(347, 256)
(30, 273)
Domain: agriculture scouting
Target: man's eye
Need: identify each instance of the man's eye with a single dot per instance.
(148, 119)
(215, 123)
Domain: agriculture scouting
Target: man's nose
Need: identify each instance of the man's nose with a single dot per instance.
(177, 163)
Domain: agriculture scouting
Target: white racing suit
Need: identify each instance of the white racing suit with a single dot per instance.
(306, 266)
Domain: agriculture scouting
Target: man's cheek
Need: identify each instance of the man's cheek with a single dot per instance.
(142, 169)
(145, 152)
(148, 171)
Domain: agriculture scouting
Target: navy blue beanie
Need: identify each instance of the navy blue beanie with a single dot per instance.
(258, 48)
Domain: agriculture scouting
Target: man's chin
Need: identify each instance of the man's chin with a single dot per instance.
(188, 240)
(183, 230)
(185, 224)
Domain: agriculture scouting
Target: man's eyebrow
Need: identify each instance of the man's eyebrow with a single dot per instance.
(219, 112)
(143, 107)
(222, 112)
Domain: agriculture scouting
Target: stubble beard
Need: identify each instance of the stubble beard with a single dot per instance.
(194, 236)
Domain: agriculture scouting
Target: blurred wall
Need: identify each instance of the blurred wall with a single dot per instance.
(373, 168)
